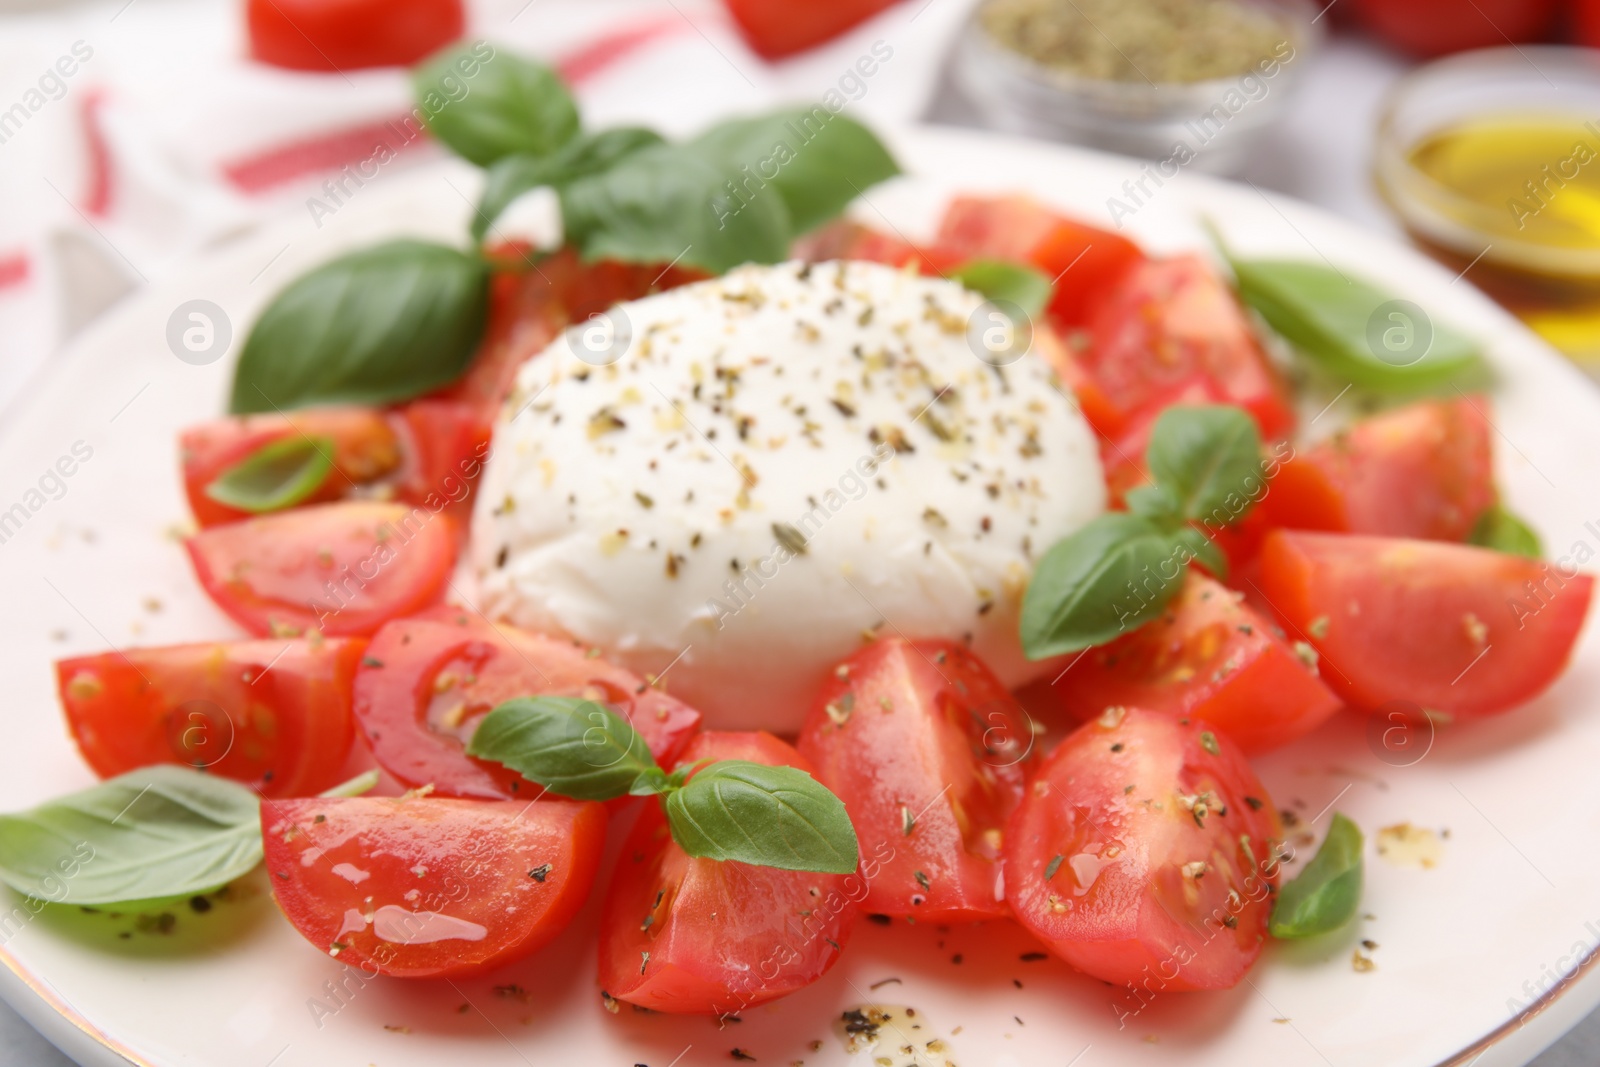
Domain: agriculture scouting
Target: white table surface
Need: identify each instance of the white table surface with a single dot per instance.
(1319, 153)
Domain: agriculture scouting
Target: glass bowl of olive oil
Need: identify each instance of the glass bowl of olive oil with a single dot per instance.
(1491, 161)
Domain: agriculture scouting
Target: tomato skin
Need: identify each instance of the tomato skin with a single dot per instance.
(1427, 28)
(775, 30)
(336, 35)
(1083, 261)
(343, 569)
(530, 305)
(364, 450)
(722, 936)
(1425, 470)
(426, 682)
(927, 732)
(1167, 324)
(1209, 657)
(347, 870)
(274, 714)
(1397, 619)
(446, 444)
(1140, 915)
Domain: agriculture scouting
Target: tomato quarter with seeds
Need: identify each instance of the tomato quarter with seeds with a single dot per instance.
(274, 714)
(341, 569)
(429, 888)
(1145, 853)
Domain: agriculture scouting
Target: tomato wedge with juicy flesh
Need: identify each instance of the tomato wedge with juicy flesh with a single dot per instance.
(422, 887)
(710, 937)
(340, 35)
(274, 714)
(365, 450)
(928, 751)
(1208, 656)
(1145, 853)
(1424, 470)
(1084, 261)
(1167, 324)
(339, 569)
(1451, 628)
(426, 683)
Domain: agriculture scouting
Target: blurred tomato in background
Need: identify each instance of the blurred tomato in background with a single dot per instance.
(776, 28)
(1438, 27)
(330, 35)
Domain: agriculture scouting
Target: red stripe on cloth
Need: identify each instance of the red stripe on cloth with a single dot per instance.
(584, 63)
(325, 153)
(331, 152)
(14, 269)
(97, 197)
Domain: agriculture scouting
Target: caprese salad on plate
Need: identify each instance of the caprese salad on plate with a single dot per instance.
(840, 578)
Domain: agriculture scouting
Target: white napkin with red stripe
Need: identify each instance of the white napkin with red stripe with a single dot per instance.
(167, 137)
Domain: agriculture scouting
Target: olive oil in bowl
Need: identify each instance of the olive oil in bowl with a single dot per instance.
(1504, 186)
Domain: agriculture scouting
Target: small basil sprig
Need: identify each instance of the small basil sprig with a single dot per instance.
(999, 279)
(739, 193)
(487, 104)
(1121, 569)
(1499, 529)
(376, 326)
(585, 154)
(729, 810)
(154, 833)
(1324, 896)
(279, 474)
(1353, 329)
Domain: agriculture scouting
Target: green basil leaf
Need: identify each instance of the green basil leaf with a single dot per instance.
(377, 326)
(486, 104)
(1209, 459)
(1154, 503)
(668, 203)
(277, 475)
(592, 153)
(770, 816)
(162, 831)
(1326, 893)
(1355, 330)
(999, 279)
(575, 748)
(816, 161)
(1502, 531)
(1204, 550)
(1106, 580)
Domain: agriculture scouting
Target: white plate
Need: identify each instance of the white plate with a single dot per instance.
(1514, 901)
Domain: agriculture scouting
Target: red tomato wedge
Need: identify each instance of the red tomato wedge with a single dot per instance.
(928, 751)
(1083, 261)
(273, 714)
(530, 303)
(1210, 657)
(1425, 470)
(1452, 628)
(418, 887)
(1146, 852)
(1167, 324)
(774, 30)
(426, 683)
(1103, 416)
(341, 569)
(339, 35)
(707, 937)
(446, 443)
(365, 450)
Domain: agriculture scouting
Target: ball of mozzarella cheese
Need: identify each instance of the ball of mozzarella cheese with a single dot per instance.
(730, 486)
